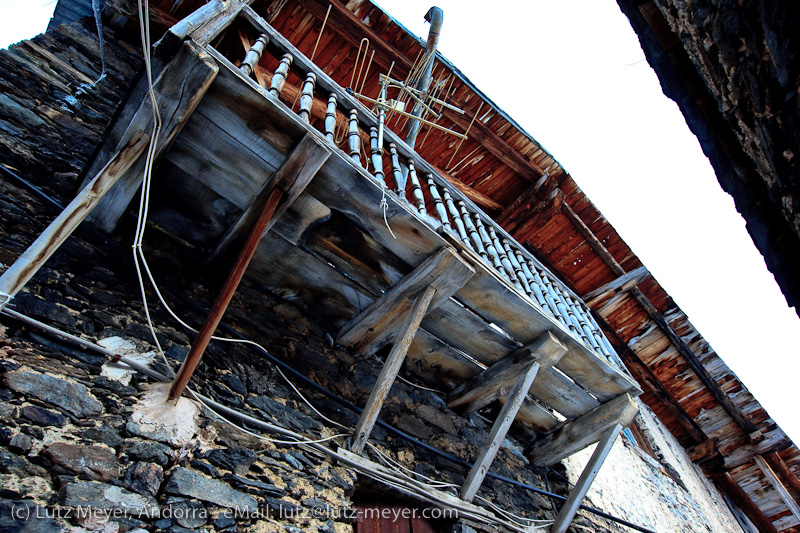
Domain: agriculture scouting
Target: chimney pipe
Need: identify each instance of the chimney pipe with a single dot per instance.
(435, 16)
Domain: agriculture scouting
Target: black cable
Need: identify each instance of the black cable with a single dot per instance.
(330, 394)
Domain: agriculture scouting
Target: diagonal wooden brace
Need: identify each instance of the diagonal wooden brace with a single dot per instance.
(542, 353)
(375, 327)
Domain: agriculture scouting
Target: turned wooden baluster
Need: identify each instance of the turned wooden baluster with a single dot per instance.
(551, 303)
(536, 291)
(509, 268)
(438, 206)
(490, 249)
(573, 317)
(377, 158)
(451, 207)
(397, 173)
(559, 301)
(517, 267)
(353, 137)
(477, 244)
(307, 98)
(330, 118)
(254, 55)
(419, 199)
(588, 325)
(279, 78)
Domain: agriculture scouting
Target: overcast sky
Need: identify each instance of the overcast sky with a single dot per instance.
(573, 75)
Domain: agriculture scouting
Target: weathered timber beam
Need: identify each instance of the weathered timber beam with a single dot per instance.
(478, 197)
(499, 378)
(711, 384)
(374, 327)
(536, 219)
(773, 442)
(178, 90)
(778, 486)
(729, 486)
(532, 193)
(291, 178)
(408, 329)
(499, 430)
(622, 283)
(706, 453)
(570, 507)
(32, 259)
(160, 20)
(578, 434)
(780, 468)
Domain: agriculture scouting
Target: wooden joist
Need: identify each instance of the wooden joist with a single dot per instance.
(570, 507)
(476, 196)
(778, 486)
(622, 283)
(781, 468)
(729, 486)
(391, 367)
(32, 259)
(580, 433)
(178, 89)
(498, 379)
(445, 271)
(711, 384)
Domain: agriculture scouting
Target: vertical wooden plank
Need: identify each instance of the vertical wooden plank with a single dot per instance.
(390, 370)
(570, 507)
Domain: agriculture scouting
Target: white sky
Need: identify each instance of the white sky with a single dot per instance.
(573, 75)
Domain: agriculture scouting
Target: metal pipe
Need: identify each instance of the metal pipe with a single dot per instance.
(435, 16)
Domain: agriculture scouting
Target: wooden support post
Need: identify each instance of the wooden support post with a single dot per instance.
(498, 379)
(498, 433)
(62, 227)
(570, 507)
(778, 486)
(742, 499)
(578, 434)
(622, 283)
(390, 369)
(224, 298)
(374, 327)
(178, 90)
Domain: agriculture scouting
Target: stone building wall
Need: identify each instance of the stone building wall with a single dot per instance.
(67, 437)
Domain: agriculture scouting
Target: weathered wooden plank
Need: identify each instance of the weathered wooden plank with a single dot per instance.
(178, 89)
(499, 378)
(782, 469)
(444, 271)
(580, 433)
(32, 259)
(570, 507)
(391, 367)
(742, 499)
(622, 283)
(778, 486)
(292, 177)
(498, 432)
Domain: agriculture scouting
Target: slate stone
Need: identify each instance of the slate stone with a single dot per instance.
(104, 434)
(237, 460)
(144, 477)
(205, 468)
(74, 397)
(414, 426)
(6, 434)
(283, 414)
(43, 417)
(20, 466)
(37, 307)
(21, 443)
(224, 520)
(7, 411)
(189, 513)
(257, 487)
(12, 513)
(105, 496)
(164, 523)
(234, 383)
(148, 451)
(186, 482)
(177, 352)
(95, 461)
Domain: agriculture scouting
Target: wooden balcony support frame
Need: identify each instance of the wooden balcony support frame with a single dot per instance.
(778, 486)
(520, 369)
(570, 507)
(395, 317)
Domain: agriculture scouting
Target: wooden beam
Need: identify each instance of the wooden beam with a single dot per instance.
(478, 197)
(545, 185)
(390, 369)
(499, 430)
(374, 327)
(710, 383)
(778, 486)
(622, 283)
(498, 379)
(773, 442)
(32, 259)
(570, 507)
(300, 167)
(178, 90)
(578, 434)
(780, 468)
(729, 486)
